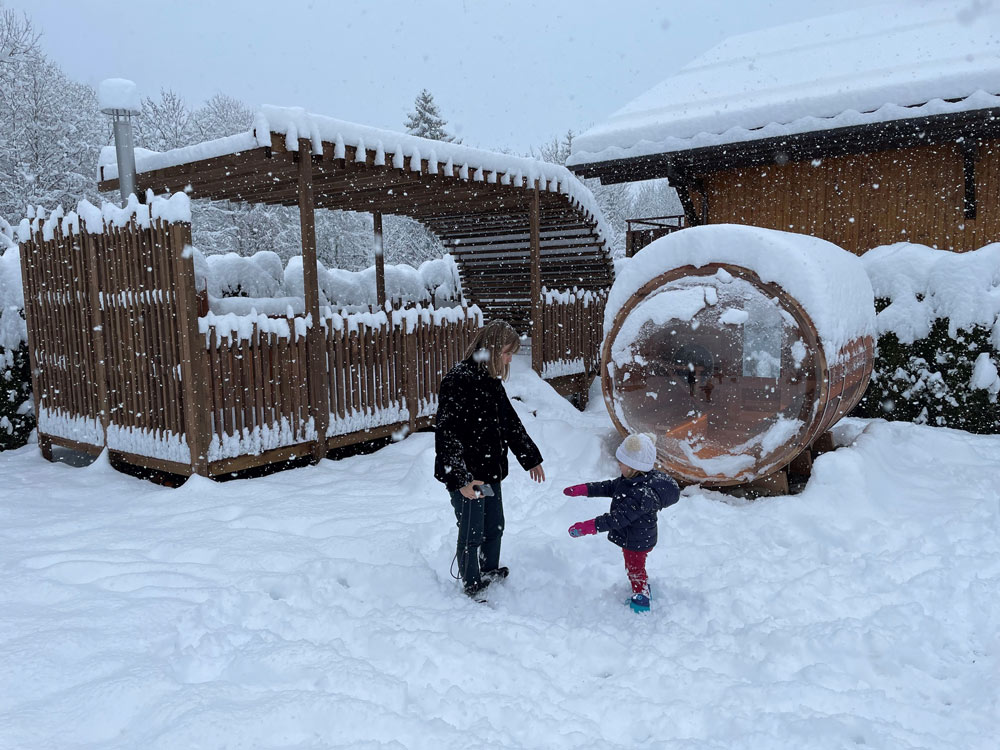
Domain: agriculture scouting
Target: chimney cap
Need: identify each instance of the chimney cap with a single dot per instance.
(118, 96)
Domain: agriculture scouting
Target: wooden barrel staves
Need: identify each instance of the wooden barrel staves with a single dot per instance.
(736, 347)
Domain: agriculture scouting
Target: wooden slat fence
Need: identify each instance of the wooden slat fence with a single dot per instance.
(55, 270)
(136, 277)
(572, 324)
(121, 358)
(102, 335)
(384, 370)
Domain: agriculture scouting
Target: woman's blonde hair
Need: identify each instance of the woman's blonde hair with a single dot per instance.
(491, 340)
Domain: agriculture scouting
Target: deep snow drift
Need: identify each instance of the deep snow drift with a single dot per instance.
(314, 609)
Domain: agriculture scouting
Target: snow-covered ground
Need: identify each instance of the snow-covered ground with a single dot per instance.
(314, 608)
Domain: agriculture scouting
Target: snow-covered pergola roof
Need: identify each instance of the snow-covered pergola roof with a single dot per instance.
(478, 202)
(874, 66)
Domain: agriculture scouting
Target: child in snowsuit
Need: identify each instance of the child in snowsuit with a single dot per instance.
(636, 496)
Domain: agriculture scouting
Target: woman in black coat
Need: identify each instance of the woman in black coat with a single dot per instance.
(476, 424)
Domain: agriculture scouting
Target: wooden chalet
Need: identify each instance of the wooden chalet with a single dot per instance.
(126, 356)
(865, 128)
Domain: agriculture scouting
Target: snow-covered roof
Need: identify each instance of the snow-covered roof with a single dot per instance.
(473, 164)
(885, 62)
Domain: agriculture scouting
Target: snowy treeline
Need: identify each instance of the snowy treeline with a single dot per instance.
(51, 134)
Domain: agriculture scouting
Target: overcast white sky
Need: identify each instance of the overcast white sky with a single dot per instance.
(505, 74)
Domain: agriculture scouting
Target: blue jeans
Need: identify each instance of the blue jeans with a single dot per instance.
(480, 529)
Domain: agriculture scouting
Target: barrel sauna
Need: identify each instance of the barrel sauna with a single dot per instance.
(736, 347)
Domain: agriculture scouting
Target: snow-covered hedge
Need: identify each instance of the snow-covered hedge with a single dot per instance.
(235, 284)
(939, 336)
(17, 417)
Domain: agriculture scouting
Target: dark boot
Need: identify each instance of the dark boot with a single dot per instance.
(497, 574)
(477, 591)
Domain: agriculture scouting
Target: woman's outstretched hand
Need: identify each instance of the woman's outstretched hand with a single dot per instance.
(537, 473)
(471, 490)
(583, 528)
(577, 490)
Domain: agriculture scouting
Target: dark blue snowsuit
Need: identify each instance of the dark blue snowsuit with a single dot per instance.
(631, 520)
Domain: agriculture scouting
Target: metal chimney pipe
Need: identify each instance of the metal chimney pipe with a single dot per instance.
(125, 152)
(117, 97)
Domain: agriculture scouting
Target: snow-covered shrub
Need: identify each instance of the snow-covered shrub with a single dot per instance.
(265, 284)
(17, 417)
(939, 336)
(231, 275)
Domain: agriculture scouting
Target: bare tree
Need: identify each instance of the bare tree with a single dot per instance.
(165, 124)
(18, 38)
(221, 115)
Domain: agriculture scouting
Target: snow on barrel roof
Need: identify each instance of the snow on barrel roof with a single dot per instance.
(474, 164)
(875, 64)
(829, 282)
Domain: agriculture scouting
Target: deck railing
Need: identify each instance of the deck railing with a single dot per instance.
(640, 232)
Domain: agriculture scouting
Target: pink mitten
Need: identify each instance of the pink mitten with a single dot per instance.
(583, 528)
(577, 490)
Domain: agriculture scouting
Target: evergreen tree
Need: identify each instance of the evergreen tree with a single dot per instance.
(425, 120)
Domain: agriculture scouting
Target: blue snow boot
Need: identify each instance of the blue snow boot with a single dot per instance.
(639, 603)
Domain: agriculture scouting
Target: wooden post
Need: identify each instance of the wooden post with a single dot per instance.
(410, 370)
(193, 357)
(536, 283)
(317, 373)
(379, 261)
(97, 326)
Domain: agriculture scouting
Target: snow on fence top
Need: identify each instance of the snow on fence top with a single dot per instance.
(829, 282)
(874, 64)
(570, 296)
(234, 327)
(390, 148)
(175, 208)
(923, 284)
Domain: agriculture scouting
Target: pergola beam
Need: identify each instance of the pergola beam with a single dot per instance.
(490, 226)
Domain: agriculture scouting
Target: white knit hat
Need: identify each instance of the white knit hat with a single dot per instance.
(638, 451)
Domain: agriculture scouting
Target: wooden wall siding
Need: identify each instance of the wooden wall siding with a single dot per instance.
(572, 324)
(866, 200)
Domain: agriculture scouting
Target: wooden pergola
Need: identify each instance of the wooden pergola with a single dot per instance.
(514, 225)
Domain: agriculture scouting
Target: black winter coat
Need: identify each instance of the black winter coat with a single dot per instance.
(475, 426)
(631, 520)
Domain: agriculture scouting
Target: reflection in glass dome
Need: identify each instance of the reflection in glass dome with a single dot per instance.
(719, 371)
